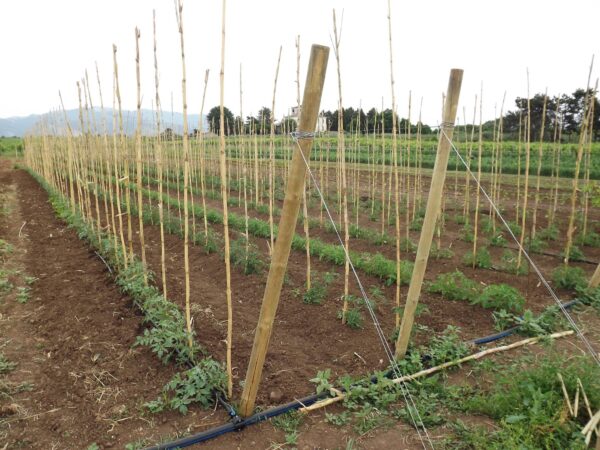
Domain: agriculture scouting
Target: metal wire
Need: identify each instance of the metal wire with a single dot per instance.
(411, 406)
(543, 280)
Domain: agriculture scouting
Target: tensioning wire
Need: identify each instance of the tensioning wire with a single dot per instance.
(411, 406)
(543, 280)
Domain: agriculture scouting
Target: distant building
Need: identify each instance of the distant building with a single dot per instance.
(295, 113)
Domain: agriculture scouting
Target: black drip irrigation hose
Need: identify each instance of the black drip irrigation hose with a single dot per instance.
(237, 423)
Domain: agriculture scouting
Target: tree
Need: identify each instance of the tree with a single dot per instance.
(287, 126)
(572, 108)
(252, 125)
(264, 118)
(570, 114)
(214, 120)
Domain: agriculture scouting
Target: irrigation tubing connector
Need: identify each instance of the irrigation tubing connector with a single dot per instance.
(231, 426)
(237, 423)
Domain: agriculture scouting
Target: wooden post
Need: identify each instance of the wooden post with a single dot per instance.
(432, 211)
(287, 225)
(595, 280)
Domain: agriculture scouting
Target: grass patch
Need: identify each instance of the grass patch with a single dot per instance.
(527, 402)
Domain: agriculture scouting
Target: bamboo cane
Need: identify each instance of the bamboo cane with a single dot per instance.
(526, 183)
(159, 165)
(202, 157)
(342, 157)
(519, 145)
(69, 155)
(186, 175)
(115, 162)
(588, 160)
(467, 206)
(395, 162)
(304, 200)
(582, 137)
(272, 156)
(478, 195)
(138, 148)
(539, 168)
(555, 162)
(223, 170)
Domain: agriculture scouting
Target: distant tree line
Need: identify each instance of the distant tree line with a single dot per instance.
(565, 111)
(371, 121)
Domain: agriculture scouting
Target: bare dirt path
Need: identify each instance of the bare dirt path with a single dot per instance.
(71, 339)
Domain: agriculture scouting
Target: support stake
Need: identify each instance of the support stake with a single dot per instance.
(595, 280)
(287, 225)
(432, 212)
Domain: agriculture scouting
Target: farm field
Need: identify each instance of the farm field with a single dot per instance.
(342, 278)
(308, 336)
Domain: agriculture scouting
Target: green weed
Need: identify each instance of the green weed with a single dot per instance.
(196, 385)
(501, 297)
(590, 239)
(549, 233)
(575, 254)
(246, 255)
(6, 365)
(467, 233)
(441, 253)
(481, 259)
(510, 263)
(535, 245)
(527, 402)
(23, 293)
(498, 240)
(455, 286)
(318, 290)
(568, 277)
(289, 423)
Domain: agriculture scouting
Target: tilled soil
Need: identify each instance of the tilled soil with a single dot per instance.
(74, 339)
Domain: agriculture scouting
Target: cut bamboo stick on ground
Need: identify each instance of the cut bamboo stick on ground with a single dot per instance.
(435, 369)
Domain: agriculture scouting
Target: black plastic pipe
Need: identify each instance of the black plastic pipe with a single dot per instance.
(232, 426)
(237, 423)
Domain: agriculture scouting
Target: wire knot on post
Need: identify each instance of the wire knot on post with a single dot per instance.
(446, 125)
(297, 135)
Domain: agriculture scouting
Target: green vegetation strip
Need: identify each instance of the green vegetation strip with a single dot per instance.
(371, 264)
(166, 334)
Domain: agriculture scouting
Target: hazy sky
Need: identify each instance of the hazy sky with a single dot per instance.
(47, 45)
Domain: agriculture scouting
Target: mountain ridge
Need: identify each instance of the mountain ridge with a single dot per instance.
(18, 126)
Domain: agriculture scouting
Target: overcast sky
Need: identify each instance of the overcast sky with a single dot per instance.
(47, 45)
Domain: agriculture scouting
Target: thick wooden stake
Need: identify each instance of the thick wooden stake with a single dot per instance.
(595, 280)
(433, 208)
(291, 206)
